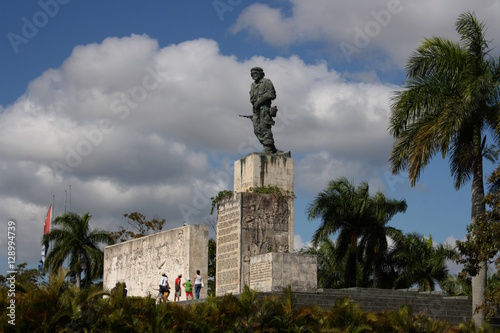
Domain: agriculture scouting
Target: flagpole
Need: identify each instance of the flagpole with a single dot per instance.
(46, 230)
(52, 218)
(65, 199)
(53, 204)
(69, 210)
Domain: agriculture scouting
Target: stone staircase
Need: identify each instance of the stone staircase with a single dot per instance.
(435, 305)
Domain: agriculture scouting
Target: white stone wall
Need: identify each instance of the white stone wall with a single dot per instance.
(140, 262)
(274, 271)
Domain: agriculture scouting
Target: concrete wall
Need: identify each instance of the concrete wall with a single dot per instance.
(140, 262)
(273, 271)
(453, 310)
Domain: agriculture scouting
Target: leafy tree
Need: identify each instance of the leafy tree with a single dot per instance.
(457, 286)
(26, 279)
(492, 302)
(420, 262)
(355, 215)
(38, 307)
(449, 102)
(346, 316)
(73, 303)
(58, 307)
(330, 271)
(140, 227)
(373, 245)
(482, 244)
(342, 208)
(73, 239)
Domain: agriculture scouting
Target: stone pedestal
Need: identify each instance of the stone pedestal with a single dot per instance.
(260, 170)
(250, 225)
(257, 170)
(272, 271)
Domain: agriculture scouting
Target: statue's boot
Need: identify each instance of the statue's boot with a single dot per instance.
(271, 149)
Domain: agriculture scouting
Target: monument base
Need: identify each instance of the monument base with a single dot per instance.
(259, 169)
(255, 231)
(274, 271)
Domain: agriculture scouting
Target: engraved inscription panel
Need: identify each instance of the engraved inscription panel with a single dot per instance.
(261, 272)
(228, 246)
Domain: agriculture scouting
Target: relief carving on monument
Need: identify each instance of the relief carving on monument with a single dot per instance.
(146, 260)
(265, 226)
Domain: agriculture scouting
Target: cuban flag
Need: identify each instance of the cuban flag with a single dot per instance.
(46, 230)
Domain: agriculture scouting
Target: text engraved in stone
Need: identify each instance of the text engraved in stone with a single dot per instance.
(261, 272)
(228, 240)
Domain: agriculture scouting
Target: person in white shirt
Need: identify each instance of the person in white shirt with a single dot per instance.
(164, 289)
(197, 284)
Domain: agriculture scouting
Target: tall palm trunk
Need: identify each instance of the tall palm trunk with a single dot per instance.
(78, 271)
(78, 277)
(351, 263)
(477, 208)
(350, 274)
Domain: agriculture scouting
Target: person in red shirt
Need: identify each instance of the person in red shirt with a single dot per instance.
(177, 295)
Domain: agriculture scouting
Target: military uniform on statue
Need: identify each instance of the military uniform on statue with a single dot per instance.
(262, 93)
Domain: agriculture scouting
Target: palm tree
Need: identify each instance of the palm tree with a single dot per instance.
(373, 244)
(39, 307)
(75, 241)
(330, 271)
(454, 285)
(342, 207)
(449, 102)
(357, 217)
(420, 262)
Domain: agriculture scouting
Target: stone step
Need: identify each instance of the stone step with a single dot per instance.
(451, 309)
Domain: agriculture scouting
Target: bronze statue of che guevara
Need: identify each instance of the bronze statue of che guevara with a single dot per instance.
(262, 93)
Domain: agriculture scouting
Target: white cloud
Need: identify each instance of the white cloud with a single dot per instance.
(261, 19)
(375, 29)
(451, 241)
(299, 243)
(135, 127)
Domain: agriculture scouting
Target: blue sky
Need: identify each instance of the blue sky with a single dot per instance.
(134, 104)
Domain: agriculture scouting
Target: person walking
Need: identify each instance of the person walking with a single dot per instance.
(177, 294)
(188, 287)
(197, 284)
(163, 287)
